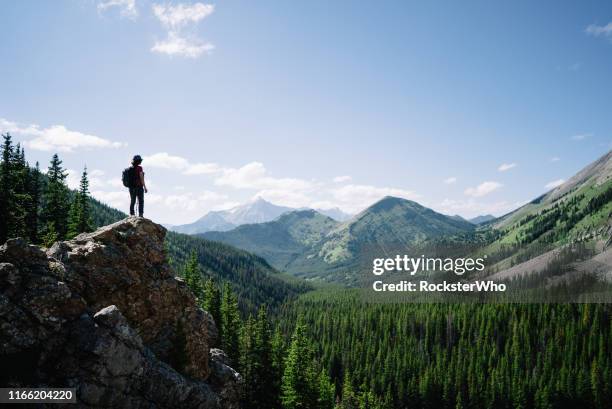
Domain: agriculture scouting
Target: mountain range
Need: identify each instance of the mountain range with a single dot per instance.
(311, 245)
(256, 211)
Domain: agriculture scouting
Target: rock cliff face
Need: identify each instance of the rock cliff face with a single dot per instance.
(104, 313)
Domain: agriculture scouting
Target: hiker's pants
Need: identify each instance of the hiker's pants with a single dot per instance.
(137, 192)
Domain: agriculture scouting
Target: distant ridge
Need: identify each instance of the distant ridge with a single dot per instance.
(482, 219)
(255, 211)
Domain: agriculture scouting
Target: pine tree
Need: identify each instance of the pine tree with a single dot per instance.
(248, 364)
(349, 398)
(230, 324)
(55, 211)
(299, 387)
(212, 303)
(7, 194)
(33, 206)
(264, 394)
(80, 220)
(278, 366)
(50, 236)
(20, 173)
(193, 277)
(327, 392)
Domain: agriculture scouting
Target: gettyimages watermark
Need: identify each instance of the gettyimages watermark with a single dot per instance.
(458, 273)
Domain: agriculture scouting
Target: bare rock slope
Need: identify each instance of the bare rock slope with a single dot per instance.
(104, 313)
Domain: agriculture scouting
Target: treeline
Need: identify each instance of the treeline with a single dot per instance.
(453, 356)
(40, 207)
(253, 280)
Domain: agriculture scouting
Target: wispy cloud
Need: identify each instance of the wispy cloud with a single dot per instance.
(554, 184)
(506, 166)
(174, 44)
(555, 159)
(450, 180)
(580, 137)
(175, 18)
(127, 8)
(56, 137)
(472, 208)
(353, 198)
(600, 31)
(483, 189)
(342, 179)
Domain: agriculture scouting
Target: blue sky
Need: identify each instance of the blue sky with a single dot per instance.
(312, 103)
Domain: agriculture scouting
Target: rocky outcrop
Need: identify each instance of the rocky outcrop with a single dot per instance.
(104, 313)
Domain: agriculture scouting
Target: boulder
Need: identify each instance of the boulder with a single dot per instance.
(104, 313)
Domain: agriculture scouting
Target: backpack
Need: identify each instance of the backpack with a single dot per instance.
(127, 177)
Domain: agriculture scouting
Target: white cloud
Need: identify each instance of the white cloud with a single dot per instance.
(554, 184)
(450, 180)
(96, 172)
(555, 159)
(483, 189)
(254, 176)
(117, 199)
(353, 198)
(286, 197)
(56, 138)
(580, 137)
(506, 166)
(73, 179)
(202, 169)
(600, 31)
(116, 182)
(165, 161)
(342, 179)
(472, 208)
(127, 8)
(175, 44)
(175, 18)
(197, 203)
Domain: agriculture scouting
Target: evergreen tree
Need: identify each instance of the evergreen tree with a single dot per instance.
(20, 173)
(193, 277)
(50, 236)
(248, 364)
(349, 398)
(80, 220)
(327, 392)
(55, 211)
(7, 193)
(264, 392)
(212, 303)
(230, 324)
(299, 387)
(278, 366)
(34, 185)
